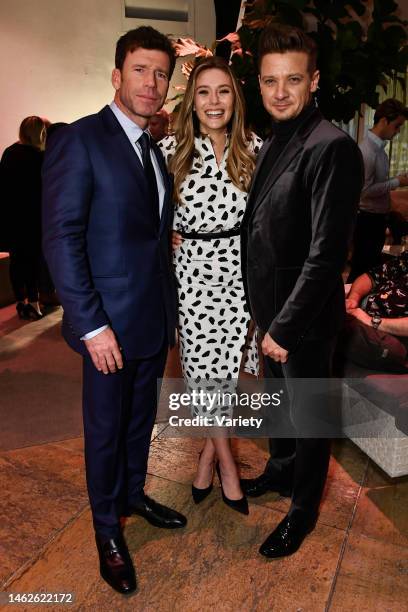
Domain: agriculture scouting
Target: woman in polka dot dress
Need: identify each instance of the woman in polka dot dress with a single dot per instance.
(212, 158)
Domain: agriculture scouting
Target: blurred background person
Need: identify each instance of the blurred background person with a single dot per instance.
(375, 203)
(159, 125)
(20, 183)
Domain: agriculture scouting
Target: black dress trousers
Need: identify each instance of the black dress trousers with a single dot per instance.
(301, 462)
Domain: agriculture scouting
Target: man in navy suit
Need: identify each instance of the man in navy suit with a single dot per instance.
(107, 217)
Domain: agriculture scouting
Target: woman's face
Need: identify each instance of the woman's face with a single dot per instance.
(214, 100)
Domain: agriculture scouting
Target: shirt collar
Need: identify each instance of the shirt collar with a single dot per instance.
(376, 139)
(133, 131)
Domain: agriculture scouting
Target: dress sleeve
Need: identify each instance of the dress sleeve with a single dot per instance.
(167, 146)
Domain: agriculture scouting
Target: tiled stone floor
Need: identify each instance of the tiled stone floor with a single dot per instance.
(357, 557)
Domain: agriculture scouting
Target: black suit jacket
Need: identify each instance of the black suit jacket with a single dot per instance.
(109, 258)
(296, 233)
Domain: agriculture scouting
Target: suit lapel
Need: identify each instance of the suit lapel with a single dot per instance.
(114, 127)
(290, 151)
(261, 156)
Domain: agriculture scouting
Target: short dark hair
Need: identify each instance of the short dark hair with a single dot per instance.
(144, 37)
(279, 38)
(390, 109)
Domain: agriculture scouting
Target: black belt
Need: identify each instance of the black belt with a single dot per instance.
(210, 235)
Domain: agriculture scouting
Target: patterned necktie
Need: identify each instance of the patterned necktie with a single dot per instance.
(144, 142)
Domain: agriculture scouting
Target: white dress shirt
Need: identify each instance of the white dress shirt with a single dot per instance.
(133, 132)
(375, 197)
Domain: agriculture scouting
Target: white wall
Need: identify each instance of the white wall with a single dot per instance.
(56, 56)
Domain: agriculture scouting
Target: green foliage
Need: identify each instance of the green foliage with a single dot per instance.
(353, 60)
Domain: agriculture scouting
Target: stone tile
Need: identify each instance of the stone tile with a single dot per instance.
(42, 489)
(73, 444)
(346, 472)
(173, 367)
(382, 510)
(212, 564)
(352, 459)
(158, 429)
(376, 477)
(373, 577)
(176, 458)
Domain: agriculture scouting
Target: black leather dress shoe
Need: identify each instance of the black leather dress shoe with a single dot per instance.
(157, 514)
(254, 487)
(116, 566)
(287, 537)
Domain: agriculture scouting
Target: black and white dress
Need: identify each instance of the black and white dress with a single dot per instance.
(213, 315)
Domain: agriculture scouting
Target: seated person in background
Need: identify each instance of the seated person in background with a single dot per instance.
(374, 207)
(159, 125)
(383, 314)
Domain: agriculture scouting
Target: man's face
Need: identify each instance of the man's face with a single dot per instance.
(392, 128)
(286, 84)
(142, 84)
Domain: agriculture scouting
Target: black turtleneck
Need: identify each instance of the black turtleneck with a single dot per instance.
(282, 132)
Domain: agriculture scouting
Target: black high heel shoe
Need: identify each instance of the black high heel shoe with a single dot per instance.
(199, 495)
(240, 505)
(31, 313)
(20, 307)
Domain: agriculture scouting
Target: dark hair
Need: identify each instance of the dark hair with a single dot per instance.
(144, 37)
(33, 131)
(279, 38)
(390, 109)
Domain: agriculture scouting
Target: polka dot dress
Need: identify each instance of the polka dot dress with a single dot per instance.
(213, 315)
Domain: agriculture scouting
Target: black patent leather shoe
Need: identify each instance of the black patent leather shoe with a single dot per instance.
(287, 537)
(116, 566)
(255, 487)
(157, 514)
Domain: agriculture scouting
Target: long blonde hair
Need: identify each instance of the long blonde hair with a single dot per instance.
(240, 161)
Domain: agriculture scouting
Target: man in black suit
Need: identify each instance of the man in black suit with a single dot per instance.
(295, 237)
(107, 216)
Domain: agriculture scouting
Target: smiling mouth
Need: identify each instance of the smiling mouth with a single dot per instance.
(214, 114)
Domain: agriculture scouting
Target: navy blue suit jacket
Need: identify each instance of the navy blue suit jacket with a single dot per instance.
(109, 258)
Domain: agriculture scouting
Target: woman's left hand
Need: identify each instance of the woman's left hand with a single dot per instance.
(176, 240)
